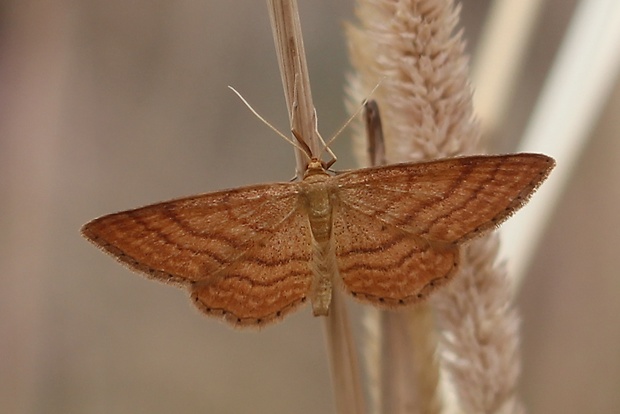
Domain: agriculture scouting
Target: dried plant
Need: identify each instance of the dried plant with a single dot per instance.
(412, 48)
(287, 35)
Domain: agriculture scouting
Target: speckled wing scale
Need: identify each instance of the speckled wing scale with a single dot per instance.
(390, 234)
(243, 254)
(398, 227)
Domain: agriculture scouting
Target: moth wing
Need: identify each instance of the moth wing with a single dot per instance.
(243, 253)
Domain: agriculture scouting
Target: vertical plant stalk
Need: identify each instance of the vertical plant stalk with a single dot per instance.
(406, 371)
(427, 113)
(409, 371)
(293, 68)
(291, 54)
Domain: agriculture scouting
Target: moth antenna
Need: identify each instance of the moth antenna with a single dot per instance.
(274, 129)
(351, 118)
(300, 139)
(305, 148)
(326, 148)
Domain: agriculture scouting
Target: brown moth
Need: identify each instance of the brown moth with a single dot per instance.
(388, 235)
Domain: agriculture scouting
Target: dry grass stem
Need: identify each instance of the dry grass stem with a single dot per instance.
(402, 344)
(427, 113)
(291, 55)
(292, 61)
(409, 371)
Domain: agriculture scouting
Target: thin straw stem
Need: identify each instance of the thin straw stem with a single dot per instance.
(294, 71)
(292, 60)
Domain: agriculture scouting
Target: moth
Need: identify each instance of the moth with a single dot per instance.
(388, 235)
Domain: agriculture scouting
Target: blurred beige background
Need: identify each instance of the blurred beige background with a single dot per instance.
(109, 105)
